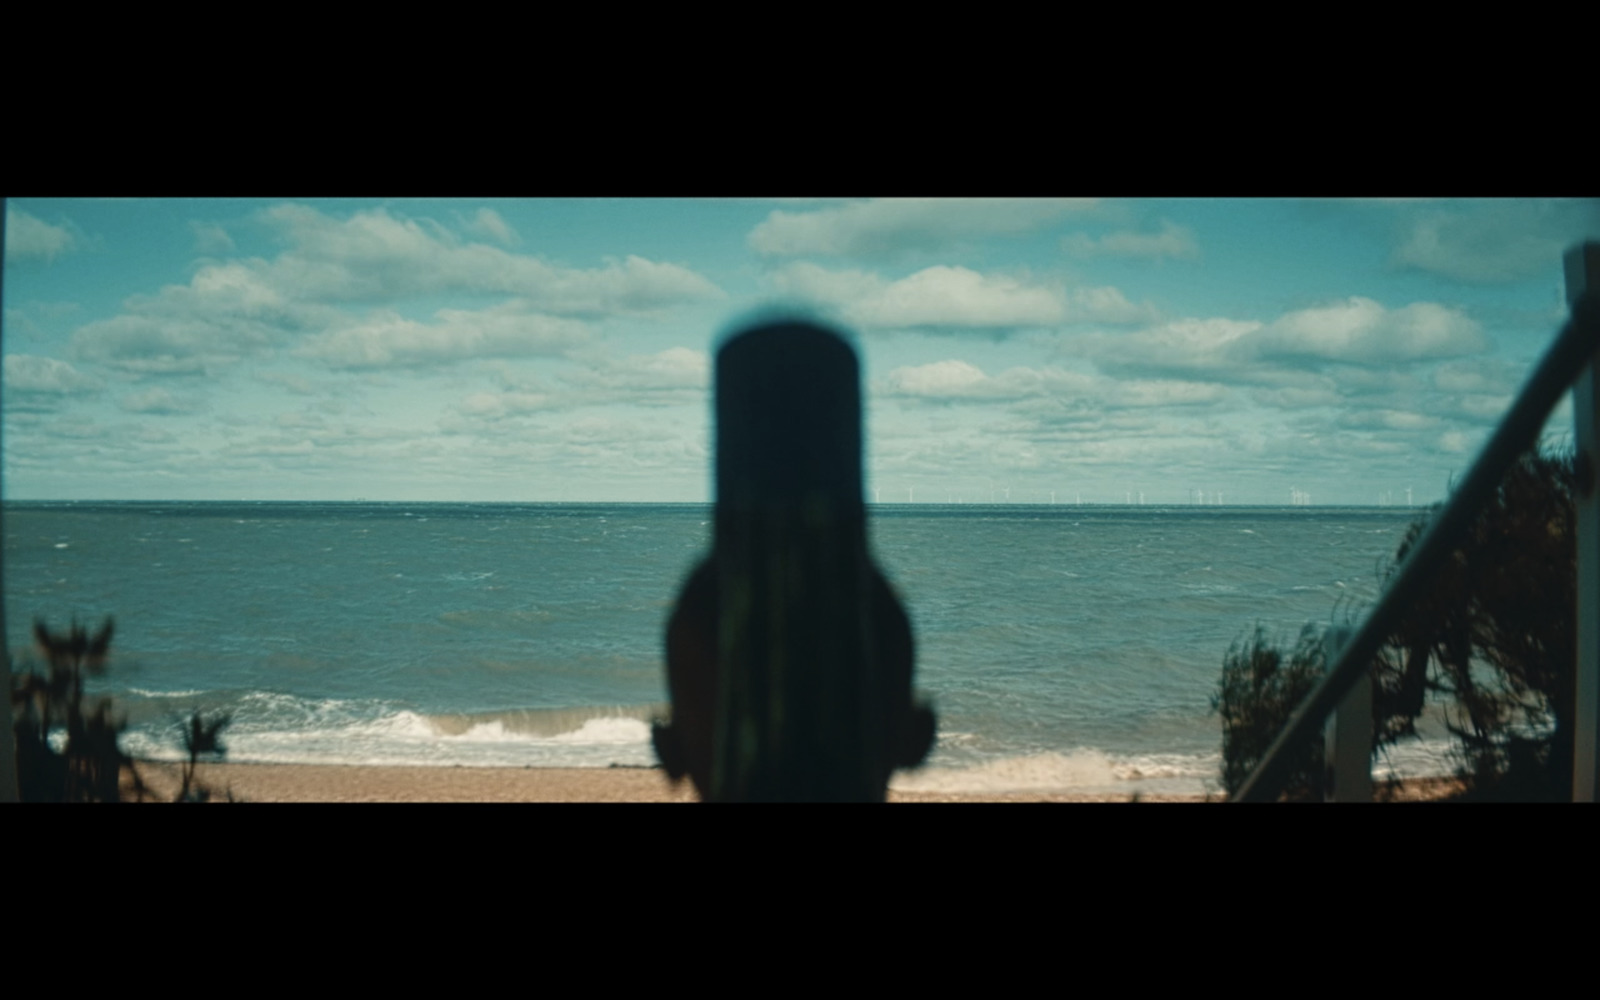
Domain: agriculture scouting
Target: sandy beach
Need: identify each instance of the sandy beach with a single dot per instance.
(350, 783)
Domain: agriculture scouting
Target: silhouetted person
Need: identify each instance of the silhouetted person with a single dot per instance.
(789, 659)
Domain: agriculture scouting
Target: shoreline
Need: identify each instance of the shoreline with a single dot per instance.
(412, 783)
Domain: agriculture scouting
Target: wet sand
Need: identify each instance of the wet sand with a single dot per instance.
(356, 783)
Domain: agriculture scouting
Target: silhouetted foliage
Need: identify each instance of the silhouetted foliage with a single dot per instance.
(1494, 639)
(1261, 685)
(89, 766)
(201, 736)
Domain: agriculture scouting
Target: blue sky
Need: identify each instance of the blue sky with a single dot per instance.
(558, 350)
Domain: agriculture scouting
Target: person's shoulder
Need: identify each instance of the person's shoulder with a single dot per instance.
(883, 592)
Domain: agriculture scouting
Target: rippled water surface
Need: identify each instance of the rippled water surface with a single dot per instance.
(1062, 646)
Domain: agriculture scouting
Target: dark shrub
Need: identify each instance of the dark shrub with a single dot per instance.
(1494, 639)
(1261, 685)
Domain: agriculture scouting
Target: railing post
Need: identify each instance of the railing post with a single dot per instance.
(1583, 274)
(1347, 750)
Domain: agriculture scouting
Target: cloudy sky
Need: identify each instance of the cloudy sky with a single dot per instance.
(559, 350)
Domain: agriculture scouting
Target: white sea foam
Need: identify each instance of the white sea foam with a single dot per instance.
(1424, 758)
(1149, 767)
(1083, 770)
(607, 731)
(146, 693)
(270, 727)
(1037, 772)
(1089, 771)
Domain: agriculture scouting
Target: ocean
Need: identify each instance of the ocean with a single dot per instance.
(1070, 648)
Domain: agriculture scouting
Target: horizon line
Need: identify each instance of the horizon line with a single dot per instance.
(702, 503)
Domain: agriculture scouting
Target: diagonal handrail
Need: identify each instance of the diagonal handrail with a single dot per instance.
(1574, 346)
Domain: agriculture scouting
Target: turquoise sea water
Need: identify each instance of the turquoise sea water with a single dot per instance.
(1063, 647)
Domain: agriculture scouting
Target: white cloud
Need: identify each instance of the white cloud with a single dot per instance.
(955, 297)
(675, 377)
(211, 238)
(227, 312)
(497, 405)
(489, 224)
(1172, 241)
(271, 449)
(1215, 347)
(613, 446)
(676, 368)
(1108, 305)
(374, 256)
(249, 308)
(1479, 407)
(1393, 381)
(1299, 397)
(955, 379)
(1496, 240)
(151, 435)
(386, 339)
(153, 345)
(79, 428)
(1362, 332)
(28, 373)
(297, 384)
(1394, 420)
(941, 379)
(19, 326)
(1479, 375)
(891, 225)
(806, 281)
(1164, 393)
(31, 238)
(231, 291)
(301, 420)
(937, 298)
(154, 400)
(1356, 332)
